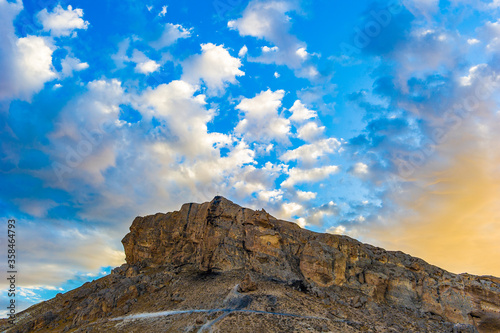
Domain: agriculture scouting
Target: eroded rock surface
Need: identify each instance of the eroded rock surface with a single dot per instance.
(200, 257)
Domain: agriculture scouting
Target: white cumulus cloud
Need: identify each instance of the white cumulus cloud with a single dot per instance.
(301, 52)
(270, 196)
(62, 22)
(35, 61)
(297, 175)
(261, 121)
(144, 65)
(25, 63)
(268, 20)
(339, 230)
(300, 113)
(171, 33)
(305, 195)
(27, 66)
(291, 209)
(163, 11)
(267, 49)
(312, 152)
(147, 67)
(243, 51)
(214, 66)
(72, 64)
(317, 215)
(359, 169)
(310, 131)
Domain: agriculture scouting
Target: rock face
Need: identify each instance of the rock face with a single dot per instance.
(192, 258)
(222, 236)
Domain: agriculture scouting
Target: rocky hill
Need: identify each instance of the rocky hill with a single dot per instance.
(219, 267)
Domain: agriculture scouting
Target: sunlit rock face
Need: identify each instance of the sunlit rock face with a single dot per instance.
(222, 236)
(216, 266)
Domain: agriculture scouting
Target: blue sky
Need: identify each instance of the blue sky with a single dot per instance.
(378, 120)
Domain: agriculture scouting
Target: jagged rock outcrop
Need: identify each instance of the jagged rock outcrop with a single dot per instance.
(199, 258)
(222, 236)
